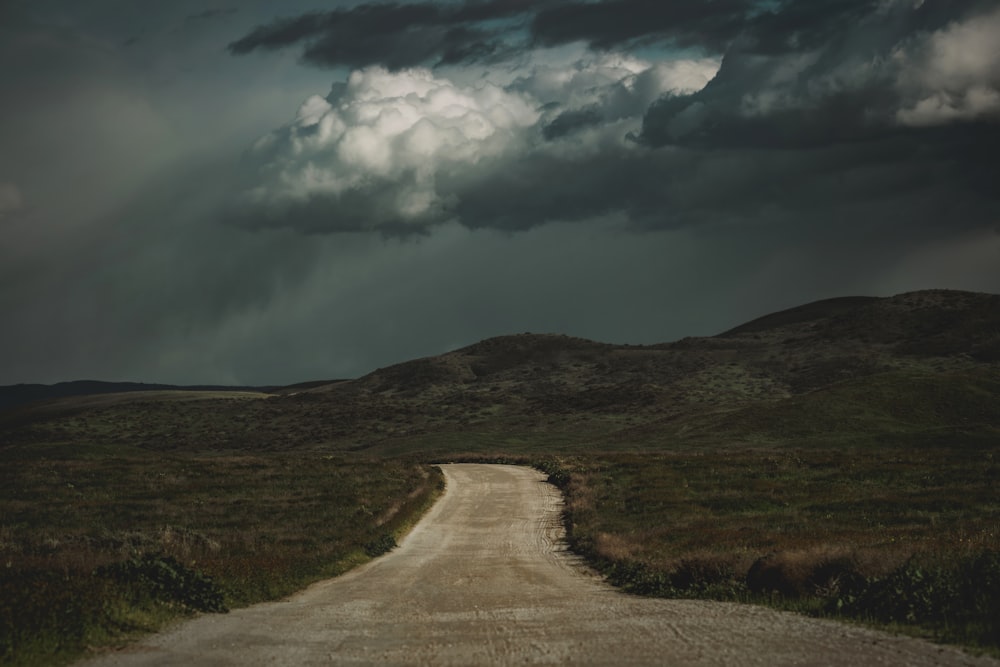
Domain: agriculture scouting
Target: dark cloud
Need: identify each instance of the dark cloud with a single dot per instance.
(842, 147)
(799, 26)
(714, 25)
(394, 35)
(878, 115)
(604, 25)
(858, 72)
(398, 35)
(886, 185)
(570, 121)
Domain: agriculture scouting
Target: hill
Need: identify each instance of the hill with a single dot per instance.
(757, 382)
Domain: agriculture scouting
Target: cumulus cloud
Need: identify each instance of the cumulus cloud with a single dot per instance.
(863, 110)
(769, 135)
(952, 74)
(795, 73)
(892, 65)
(367, 156)
(401, 151)
(612, 86)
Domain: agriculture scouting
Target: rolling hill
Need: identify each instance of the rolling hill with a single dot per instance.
(918, 363)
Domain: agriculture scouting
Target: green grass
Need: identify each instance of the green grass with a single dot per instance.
(246, 528)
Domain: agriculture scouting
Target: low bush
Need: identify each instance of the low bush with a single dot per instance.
(558, 475)
(384, 543)
(798, 574)
(960, 601)
(691, 578)
(164, 578)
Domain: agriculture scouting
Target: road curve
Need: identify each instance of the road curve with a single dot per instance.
(483, 579)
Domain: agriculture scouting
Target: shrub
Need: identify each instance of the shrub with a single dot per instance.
(557, 475)
(165, 578)
(797, 574)
(696, 577)
(961, 601)
(384, 543)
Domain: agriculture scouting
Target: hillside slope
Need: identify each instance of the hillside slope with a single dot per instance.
(908, 363)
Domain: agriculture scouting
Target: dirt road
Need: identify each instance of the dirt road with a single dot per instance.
(483, 580)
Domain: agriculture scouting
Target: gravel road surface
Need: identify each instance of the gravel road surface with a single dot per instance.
(482, 580)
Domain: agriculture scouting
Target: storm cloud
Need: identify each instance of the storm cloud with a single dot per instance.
(885, 72)
(395, 35)
(400, 152)
(194, 194)
(817, 111)
(400, 35)
(608, 25)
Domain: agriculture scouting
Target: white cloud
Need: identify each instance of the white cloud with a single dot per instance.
(378, 150)
(887, 71)
(952, 74)
(621, 84)
(680, 77)
(385, 134)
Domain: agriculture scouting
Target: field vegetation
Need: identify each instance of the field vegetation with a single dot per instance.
(841, 458)
(905, 537)
(98, 545)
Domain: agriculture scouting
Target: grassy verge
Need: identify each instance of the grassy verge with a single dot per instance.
(902, 538)
(96, 548)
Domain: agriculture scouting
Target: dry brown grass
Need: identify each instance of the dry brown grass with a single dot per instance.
(874, 508)
(260, 526)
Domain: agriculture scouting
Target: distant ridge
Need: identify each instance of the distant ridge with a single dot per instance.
(770, 358)
(20, 394)
(924, 363)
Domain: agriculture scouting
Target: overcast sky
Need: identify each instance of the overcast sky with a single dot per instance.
(269, 192)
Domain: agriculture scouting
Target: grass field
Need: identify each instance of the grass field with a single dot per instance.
(906, 540)
(98, 544)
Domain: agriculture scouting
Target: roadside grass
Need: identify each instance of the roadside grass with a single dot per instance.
(903, 537)
(97, 547)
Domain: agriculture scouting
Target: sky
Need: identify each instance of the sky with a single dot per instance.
(265, 192)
